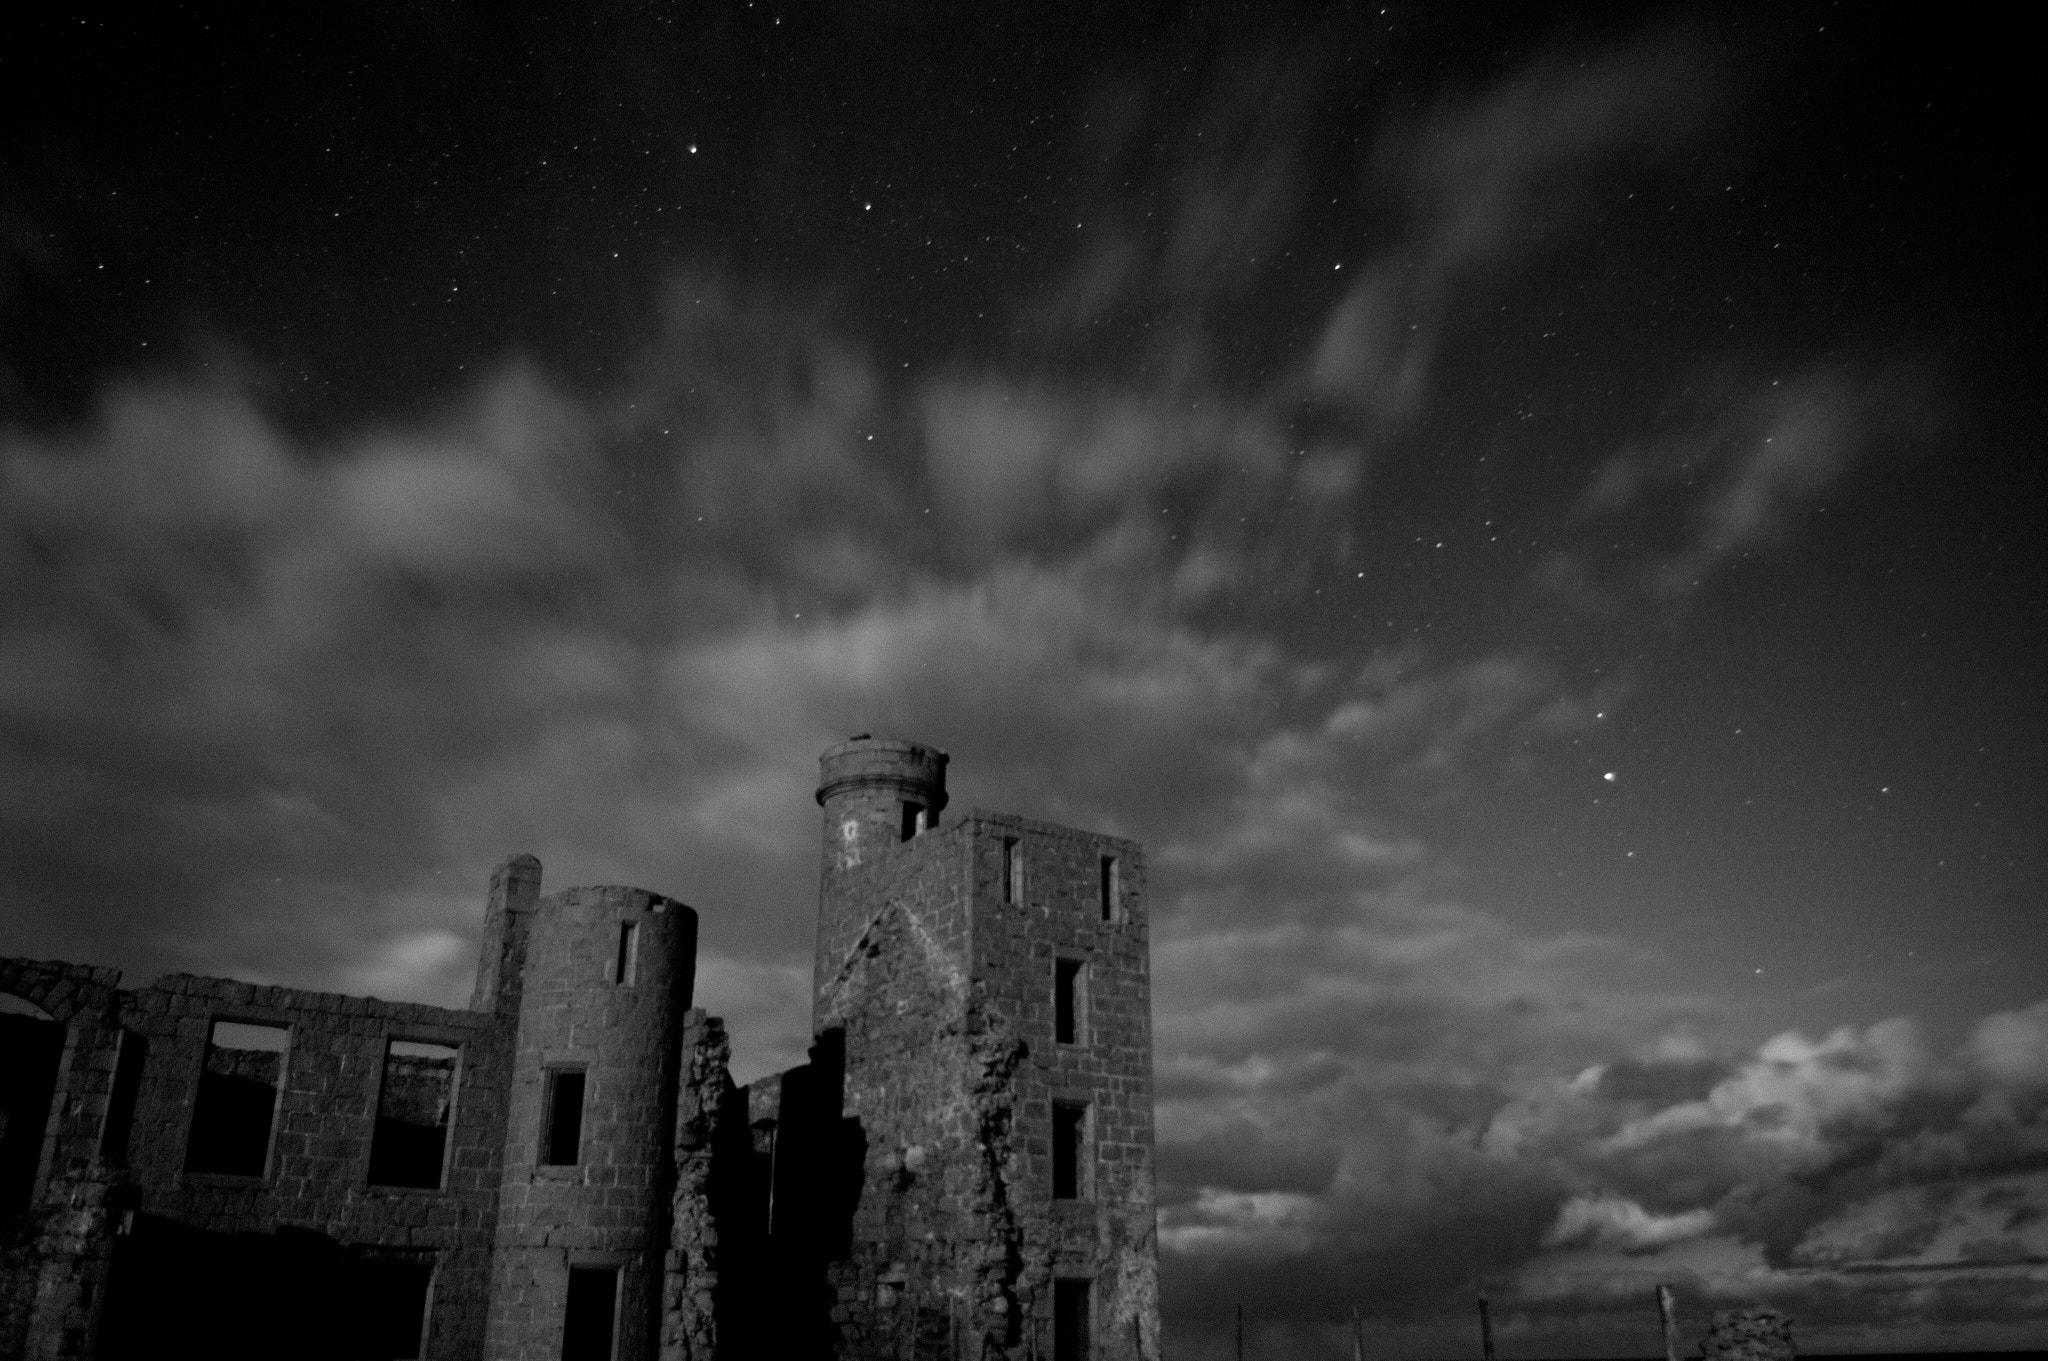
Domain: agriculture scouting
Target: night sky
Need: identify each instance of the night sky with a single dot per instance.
(1528, 516)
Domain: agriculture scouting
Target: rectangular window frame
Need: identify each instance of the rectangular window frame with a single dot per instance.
(1072, 1150)
(201, 1102)
(574, 1348)
(1073, 1318)
(626, 961)
(454, 1099)
(1070, 1000)
(551, 1139)
(1013, 871)
(1109, 890)
(364, 1264)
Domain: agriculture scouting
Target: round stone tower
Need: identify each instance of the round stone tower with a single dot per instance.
(877, 793)
(607, 977)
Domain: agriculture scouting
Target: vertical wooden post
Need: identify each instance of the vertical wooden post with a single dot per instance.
(1357, 1336)
(1240, 1333)
(1667, 1314)
(1485, 1330)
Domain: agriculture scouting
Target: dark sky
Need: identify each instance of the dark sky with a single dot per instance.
(1529, 516)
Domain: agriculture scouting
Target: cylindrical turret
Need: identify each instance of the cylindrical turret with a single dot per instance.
(877, 792)
(607, 978)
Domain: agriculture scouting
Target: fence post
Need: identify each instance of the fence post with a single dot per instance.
(1667, 1315)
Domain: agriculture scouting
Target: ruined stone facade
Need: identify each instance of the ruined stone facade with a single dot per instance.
(963, 1169)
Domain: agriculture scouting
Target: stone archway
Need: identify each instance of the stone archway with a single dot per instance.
(53, 1018)
(31, 1046)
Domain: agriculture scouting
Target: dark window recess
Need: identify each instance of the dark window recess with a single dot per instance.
(1069, 1139)
(413, 1103)
(628, 963)
(1108, 889)
(31, 1044)
(1013, 871)
(562, 1139)
(1070, 1319)
(121, 1100)
(587, 1323)
(913, 820)
(1066, 1001)
(388, 1304)
(237, 1099)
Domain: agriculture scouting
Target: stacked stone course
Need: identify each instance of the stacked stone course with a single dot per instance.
(893, 1197)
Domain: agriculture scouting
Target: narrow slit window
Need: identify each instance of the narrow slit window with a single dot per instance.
(1013, 870)
(627, 965)
(1108, 889)
(236, 1103)
(913, 819)
(414, 1101)
(587, 1323)
(121, 1101)
(1071, 1315)
(1069, 1149)
(562, 1137)
(1068, 996)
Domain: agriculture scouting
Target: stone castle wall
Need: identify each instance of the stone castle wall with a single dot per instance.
(1104, 1234)
(317, 1172)
(620, 1036)
(204, 1178)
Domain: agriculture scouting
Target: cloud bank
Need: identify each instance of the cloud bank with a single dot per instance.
(273, 704)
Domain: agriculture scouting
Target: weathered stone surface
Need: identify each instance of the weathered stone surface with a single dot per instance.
(893, 1197)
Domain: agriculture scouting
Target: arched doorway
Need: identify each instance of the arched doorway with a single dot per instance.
(31, 1044)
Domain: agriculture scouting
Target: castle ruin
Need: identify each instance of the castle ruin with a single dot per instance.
(961, 1171)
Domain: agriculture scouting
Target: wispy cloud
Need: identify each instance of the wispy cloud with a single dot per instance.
(1493, 179)
(273, 704)
(1745, 461)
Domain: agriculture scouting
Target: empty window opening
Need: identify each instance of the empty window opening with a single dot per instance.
(562, 1139)
(766, 1140)
(237, 1099)
(587, 1323)
(915, 819)
(413, 1104)
(1069, 1149)
(1107, 890)
(1070, 1319)
(121, 1100)
(31, 1045)
(387, 1292)
(626, 966)
(1013, 870)
(1068, 997)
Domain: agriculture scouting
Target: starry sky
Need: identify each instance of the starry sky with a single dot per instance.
(1527, 515)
